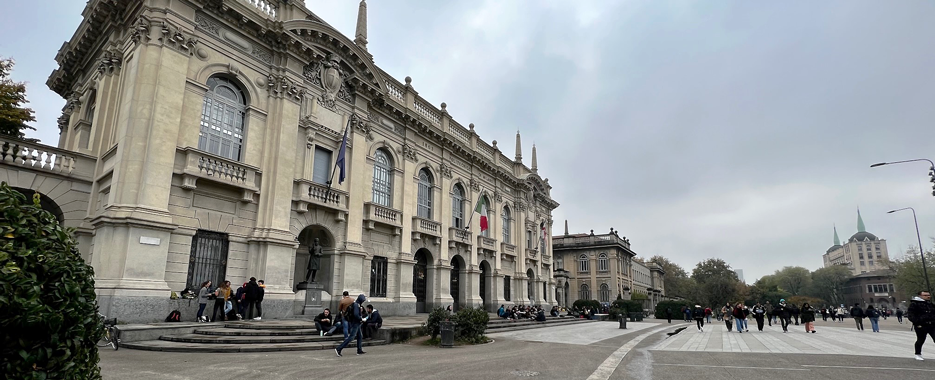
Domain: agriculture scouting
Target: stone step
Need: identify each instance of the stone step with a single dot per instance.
(532, 325)
(271, 325)
(256, 332)
(498, 321)
(168, 346)
(221, 339)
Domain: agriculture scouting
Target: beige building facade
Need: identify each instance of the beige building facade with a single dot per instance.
(863, 252)
(601, 267)
(200, 136)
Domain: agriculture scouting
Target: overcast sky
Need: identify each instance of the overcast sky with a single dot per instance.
(734, 129)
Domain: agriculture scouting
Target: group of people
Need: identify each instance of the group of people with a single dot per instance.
(525, 312)
(356, 321)
(247, 301)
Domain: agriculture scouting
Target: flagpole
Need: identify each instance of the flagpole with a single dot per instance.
(330, 181)
(479, 194)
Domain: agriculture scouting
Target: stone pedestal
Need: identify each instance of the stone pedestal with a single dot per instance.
(313, 298)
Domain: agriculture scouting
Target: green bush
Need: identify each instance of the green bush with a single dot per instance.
(593, 304)
(48, 310)
(432, 325)
(628, 306)
(470, 325)
(675, 306)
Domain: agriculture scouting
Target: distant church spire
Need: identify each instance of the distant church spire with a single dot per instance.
(361, 35)
(836, 240)
(860, 223)
(519, 149)
(535, 163)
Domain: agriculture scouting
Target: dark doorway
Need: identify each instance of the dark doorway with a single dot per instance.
(419, 274)
(484, 277)
(456, 282)
(530, 286)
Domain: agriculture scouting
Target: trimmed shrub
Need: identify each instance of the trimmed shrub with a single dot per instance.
(593, 304)
(48, 310)
(432, 325)
(675, 306)
(470, 325)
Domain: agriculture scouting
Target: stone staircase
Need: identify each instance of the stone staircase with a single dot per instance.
(243, 336)
(497, 325)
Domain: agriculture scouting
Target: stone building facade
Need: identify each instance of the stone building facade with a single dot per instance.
(875, 288)
(207, 132)
(863, 252)
(600, 267)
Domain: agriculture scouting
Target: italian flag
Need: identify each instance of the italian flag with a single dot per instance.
(482, 210)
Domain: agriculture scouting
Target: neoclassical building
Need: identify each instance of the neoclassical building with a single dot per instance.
(601, 267)
(863, 252)
(198, 142)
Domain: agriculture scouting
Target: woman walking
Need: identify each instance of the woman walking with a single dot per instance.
(203, 300)
(728, 317)
(874, 315)
(808, 317)
(759, 313)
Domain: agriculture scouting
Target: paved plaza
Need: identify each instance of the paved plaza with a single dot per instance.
(594, 351)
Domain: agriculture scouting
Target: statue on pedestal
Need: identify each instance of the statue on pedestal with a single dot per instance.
(314, 261)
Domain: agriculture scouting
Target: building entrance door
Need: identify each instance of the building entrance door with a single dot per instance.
(419, 274)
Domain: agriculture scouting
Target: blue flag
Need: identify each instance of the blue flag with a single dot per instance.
(340, 161)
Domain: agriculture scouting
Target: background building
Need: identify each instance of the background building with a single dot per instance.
(874, 288)
(864, 252)
(198, 141)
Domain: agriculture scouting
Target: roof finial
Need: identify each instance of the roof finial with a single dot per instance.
(837, 241)
(566, 227)
(519, 149)
(535, 165)
(361, 35)
(860, 222)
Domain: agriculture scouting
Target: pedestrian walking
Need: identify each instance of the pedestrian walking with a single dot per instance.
(668, 314)
(784, 314)
(808, 317)
(759, 313)
(740, 316)
(259, 300)
(769, 313)
(824, 314)
(795, 313)
(203, 297)
(698, 313)
(899, 315)
(728, 317)
(342, 306)
(874, 316)
(353, 320)
(921, 313)
(858, 314)
(707, 314)
(842, 312)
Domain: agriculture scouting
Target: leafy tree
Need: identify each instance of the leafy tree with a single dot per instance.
(828, 283)
(766, 289)
(48, 309)
(677, 283)
(13, 114)
(793, 279)
(717, 282)
(812, 301)
(910, 278)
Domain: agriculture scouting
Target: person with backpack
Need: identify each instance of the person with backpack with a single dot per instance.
(899, 315)
(698, 314)
(354, 319)
(874, 316)
(240, 301)
(759, 314)
(858, 314)
(203, 299)
(342, 307)
(221, 295)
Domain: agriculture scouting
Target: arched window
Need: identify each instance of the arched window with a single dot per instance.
(605, 293)
(583, 263)
(425, 195)
(457, 206)
(602, 263)
(486, 233)
(222, 119)
(584, 293)
(382, 179)
(505, 214)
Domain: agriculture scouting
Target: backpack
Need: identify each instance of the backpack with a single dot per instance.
(349, 313)
(174, 316)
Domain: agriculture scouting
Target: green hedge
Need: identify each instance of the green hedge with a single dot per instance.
(48, 309)
(581, 304)
(675, 306)
(470, 325)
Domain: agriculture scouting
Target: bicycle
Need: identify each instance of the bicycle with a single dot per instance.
(111, 333)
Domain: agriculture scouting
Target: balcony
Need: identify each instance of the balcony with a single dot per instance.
(197, 165)
(43, 158)
(374, 213)
(508, 249)
(487, 243)
(425, 228)
(459, 236)
(307, 193)
(532, 254)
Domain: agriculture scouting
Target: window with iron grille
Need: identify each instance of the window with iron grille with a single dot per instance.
(506, 288)
(505, 215)
(222, 119)
(378, 276)
(208, 259)
(382, 179)
(425, 195)
(457, 206)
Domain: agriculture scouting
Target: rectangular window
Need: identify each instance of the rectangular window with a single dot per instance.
(529, 239)
(861, 255)
(559, 263)
(378, 277)
(322, 166)
(506, 288)
(861, 263)
(870, 263)
(208, 260)
(869, 288)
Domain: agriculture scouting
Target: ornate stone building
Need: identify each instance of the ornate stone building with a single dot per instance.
(198, 141)
(864, 252)
(600, 267)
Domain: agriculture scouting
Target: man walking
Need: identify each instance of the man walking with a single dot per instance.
(769, 313)
(353, 319)
(783, 312)
(345, 302)
(921, 313)
(858, 314)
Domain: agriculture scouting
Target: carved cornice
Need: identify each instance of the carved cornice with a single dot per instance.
(281, 86)
(177, 39)
(362, 126)
(111, 62)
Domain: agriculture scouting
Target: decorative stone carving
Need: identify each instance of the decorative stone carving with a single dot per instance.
(474, 184)
(140, 31)
(110, 62)
(329, 75)
(409, 152)
(521, 205)
(362, 126)
(309, 138)
(445, 170)
(63, 121)
(497, 196)
(174, 37)
(282, 86)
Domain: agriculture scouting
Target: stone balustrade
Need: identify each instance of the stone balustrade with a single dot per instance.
(508, 249)
(425, 226)
(198, 165)
(307, 192)
(374, 213)
(531, 253)
(459, 236)
(395, 91)
(592, 240)
(46, 158)
(427, 111)
(486, 243)
(265, 7)
(459, 132)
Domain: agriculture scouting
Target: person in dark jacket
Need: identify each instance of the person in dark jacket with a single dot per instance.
(259, 300)
(759, 314)
(669, 314)
(240, 300)
(698, 314)
(251, 293)
(795, 313)
(899, 315)
(784, 313)
(769, 313)
(858, 314)
(373, 323)
(325, 323)
(808, 317)
(874, 316)
(353, 320)
(921, 313)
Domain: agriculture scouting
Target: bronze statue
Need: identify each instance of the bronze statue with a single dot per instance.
(314, 261)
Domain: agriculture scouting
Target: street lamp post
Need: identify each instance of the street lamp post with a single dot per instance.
(931, 169)
(925, 271)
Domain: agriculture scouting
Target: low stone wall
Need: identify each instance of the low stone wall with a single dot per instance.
(156, 309)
